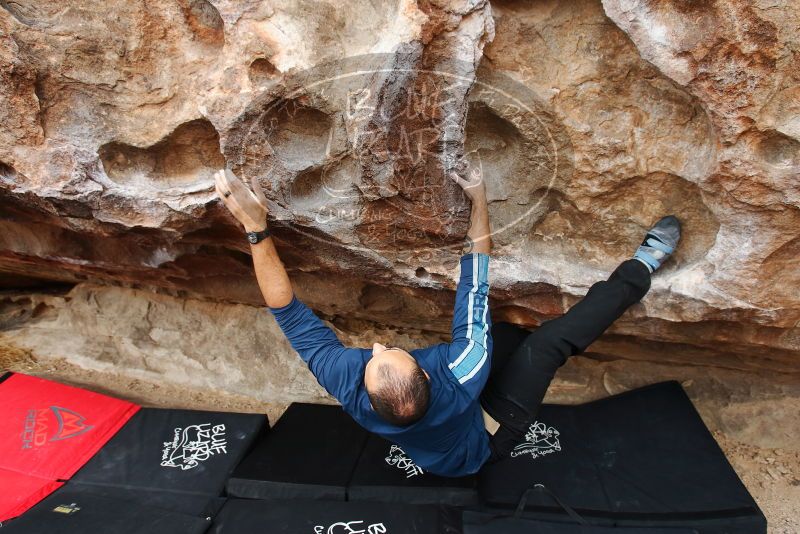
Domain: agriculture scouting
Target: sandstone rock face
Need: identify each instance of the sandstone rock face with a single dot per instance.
(195, 344)
(589, 119)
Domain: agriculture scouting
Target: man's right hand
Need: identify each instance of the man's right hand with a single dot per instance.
(479, 237)
(475, 187)
(249, 207)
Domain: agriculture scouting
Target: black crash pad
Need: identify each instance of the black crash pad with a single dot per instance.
(385, 473)
(195, 504)
(642, 458)
(240, 516)
(309, 454)
(483, 523)
(475, 522)
(73, 510)
(178, 460)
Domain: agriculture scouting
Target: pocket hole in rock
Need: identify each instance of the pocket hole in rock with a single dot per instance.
(261, 71)
(187, 157)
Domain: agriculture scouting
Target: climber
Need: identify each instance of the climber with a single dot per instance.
(432, 401)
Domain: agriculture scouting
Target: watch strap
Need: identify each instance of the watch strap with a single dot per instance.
(256, 237)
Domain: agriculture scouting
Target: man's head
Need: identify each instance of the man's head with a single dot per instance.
(398, 388)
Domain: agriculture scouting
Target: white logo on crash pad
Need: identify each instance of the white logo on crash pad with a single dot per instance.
(397, 457)
(539, 441)
(194, 444)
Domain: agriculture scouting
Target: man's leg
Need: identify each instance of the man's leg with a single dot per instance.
(517, 391)
(513, 395)
(506, 337)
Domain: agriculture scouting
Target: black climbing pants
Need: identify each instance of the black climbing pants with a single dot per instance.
(524, 363)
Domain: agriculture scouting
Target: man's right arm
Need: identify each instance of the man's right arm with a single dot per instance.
(469, 353)
(479, 238)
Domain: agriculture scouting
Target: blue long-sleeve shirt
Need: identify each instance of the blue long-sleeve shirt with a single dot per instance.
(450, 440)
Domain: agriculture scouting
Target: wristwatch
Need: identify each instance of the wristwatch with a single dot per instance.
(256, 237)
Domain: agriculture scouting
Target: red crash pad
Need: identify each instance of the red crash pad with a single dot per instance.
(48, 431)
(20, 492)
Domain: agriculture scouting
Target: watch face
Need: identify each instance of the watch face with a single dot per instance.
(253, 238)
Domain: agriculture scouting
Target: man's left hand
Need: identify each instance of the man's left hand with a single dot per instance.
(249, 207)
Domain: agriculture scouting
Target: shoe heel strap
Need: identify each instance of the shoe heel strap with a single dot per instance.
(647, 258)
(660, 245)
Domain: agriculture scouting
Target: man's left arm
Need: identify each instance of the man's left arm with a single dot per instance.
(335, 366)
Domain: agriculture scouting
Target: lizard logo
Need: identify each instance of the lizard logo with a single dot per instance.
(46, 425)
(193, 445)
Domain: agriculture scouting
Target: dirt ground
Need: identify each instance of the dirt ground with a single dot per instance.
(771, 475)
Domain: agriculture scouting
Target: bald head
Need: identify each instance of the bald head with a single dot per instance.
(398, 388)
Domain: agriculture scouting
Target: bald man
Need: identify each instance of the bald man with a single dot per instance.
(431, 401)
